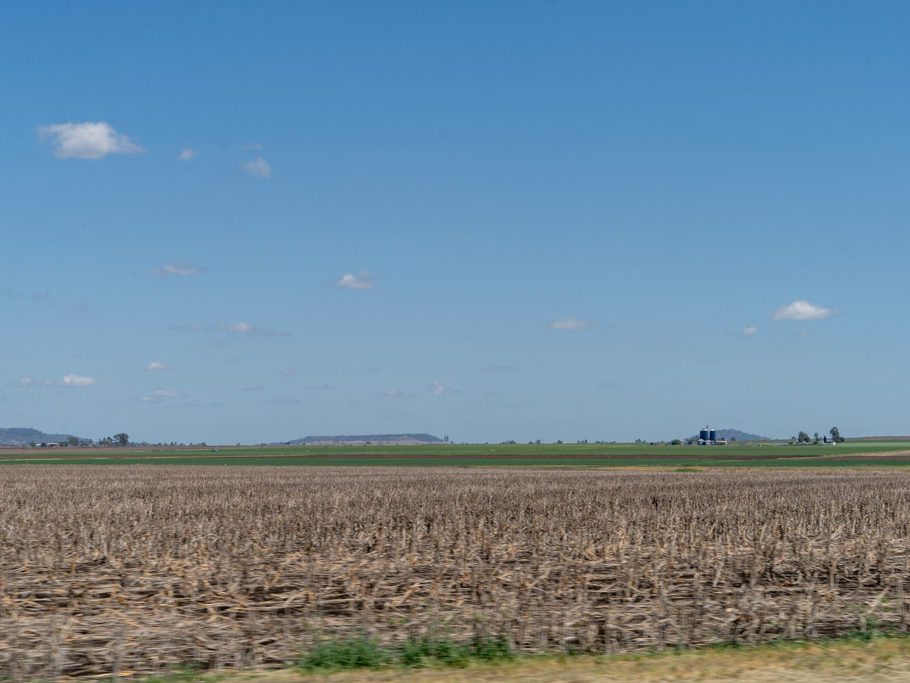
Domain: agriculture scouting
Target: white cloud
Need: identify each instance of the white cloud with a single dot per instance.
(155, 366)
(67, 381)
(437, 389)
(87, 140)
(241, 327)
(363, 280)
(570, 323)
(803, 310)
(77, 381)
(394, 392)
(750, 330)
(187, 154)
(258, 167)
(160, 395)
(177, 268)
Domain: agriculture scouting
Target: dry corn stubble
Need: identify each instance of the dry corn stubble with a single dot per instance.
(140, 568)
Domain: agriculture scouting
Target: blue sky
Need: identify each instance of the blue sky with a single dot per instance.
(514, 220)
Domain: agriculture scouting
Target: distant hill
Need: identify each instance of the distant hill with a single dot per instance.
(730, 434)
(360, 439)
(23, 436)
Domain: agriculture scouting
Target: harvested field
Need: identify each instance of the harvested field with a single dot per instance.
(136, 568)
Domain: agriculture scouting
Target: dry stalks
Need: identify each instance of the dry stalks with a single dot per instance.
(136, 569)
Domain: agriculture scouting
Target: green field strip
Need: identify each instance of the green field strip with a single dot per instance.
(489, 461)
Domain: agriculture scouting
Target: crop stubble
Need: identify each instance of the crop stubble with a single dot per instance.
(137, 568)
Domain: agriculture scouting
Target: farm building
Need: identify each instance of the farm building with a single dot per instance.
(708, 437)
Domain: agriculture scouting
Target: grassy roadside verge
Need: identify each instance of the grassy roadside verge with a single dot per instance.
(878, 657)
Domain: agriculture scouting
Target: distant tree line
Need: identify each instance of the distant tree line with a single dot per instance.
(803, 437)
(120, 440)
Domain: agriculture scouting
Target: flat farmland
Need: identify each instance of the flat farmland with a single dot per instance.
(849, 454)
(136, 569)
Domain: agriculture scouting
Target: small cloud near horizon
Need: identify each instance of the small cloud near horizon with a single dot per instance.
(155, 366)
(77, 381)
(70, 380)
(89, 140)
(258, 167)
(363, 280)
(437, 389)
(750, 330)
(177, 268)
(241, 327)
(570, 323)
(395, 392)
(803, 310)
(160, 395)
(187, 154)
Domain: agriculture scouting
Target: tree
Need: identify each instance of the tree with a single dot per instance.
(446, 438)
(803, 438)
(835, 435)
(73, 441)
(122, 438)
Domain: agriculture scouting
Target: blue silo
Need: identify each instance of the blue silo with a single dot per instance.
(713, 435)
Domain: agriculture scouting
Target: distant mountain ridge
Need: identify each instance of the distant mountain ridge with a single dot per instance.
(731, 434)
(23, 436)
(361, 439)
